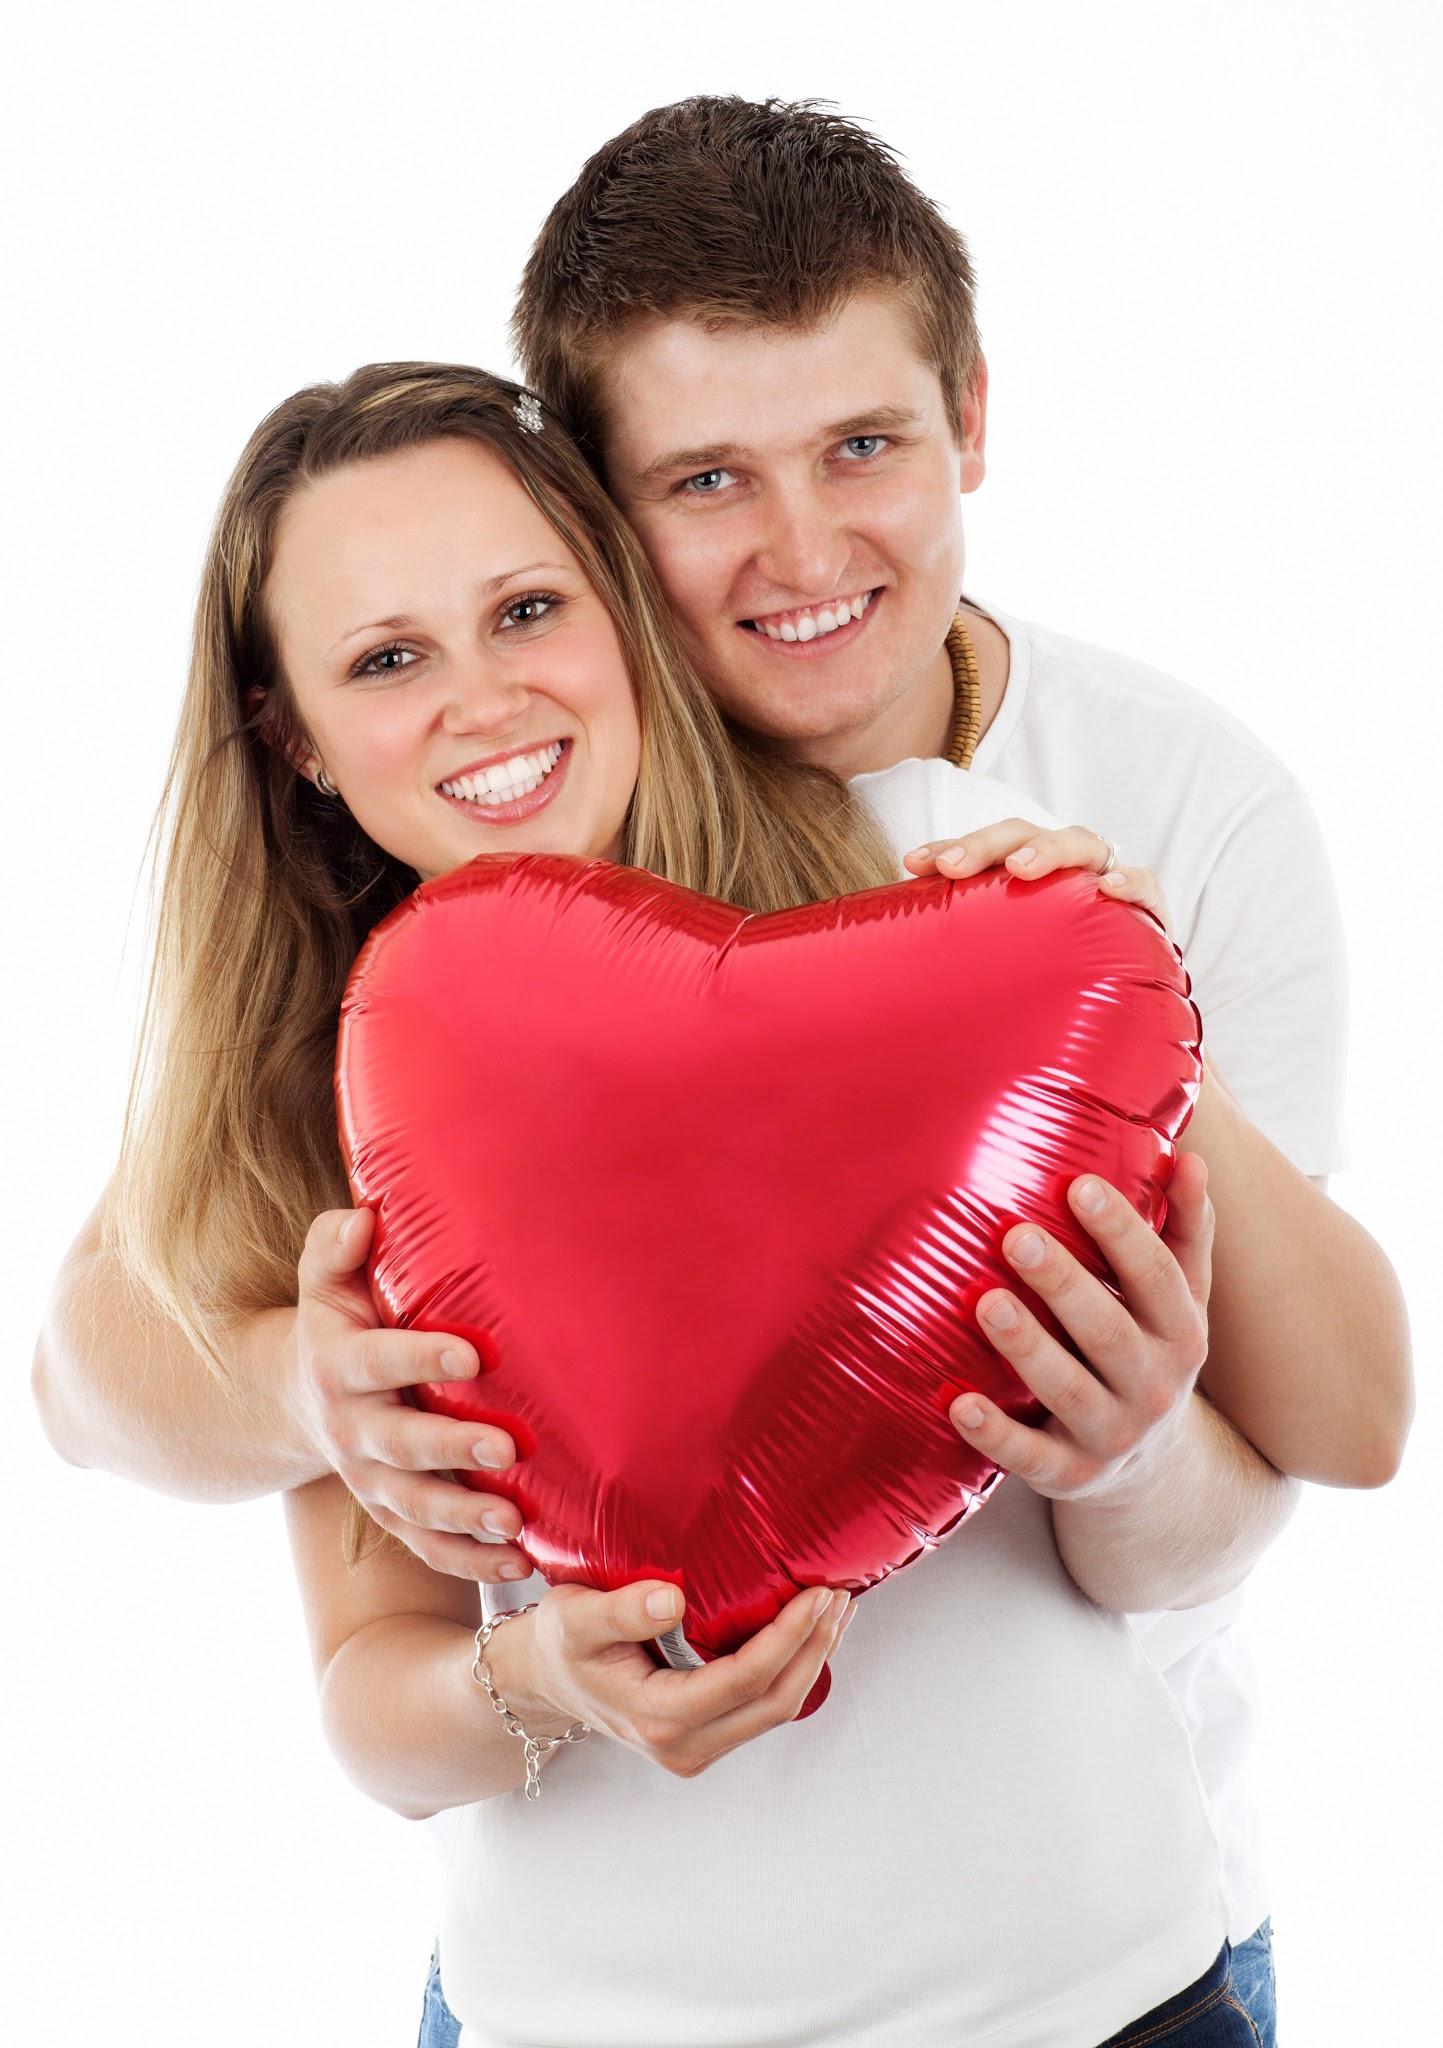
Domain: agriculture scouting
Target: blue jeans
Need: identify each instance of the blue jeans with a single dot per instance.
(1254, 1985)
(440, 2027)
(1206, 2015)
(1202, 2019)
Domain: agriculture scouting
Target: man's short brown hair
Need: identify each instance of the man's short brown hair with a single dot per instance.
(724, 210)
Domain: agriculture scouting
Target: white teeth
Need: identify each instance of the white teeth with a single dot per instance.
(505, 781)
(815, 625)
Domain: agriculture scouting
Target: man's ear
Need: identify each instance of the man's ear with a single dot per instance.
(974, 429)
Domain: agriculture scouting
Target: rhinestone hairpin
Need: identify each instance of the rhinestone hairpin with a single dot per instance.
(528, 410)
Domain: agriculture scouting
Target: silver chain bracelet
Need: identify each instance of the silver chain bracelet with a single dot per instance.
(537, 1746)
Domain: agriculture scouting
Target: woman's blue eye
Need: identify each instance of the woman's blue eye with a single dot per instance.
(707, 482)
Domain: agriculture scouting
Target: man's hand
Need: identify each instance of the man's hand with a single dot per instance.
(348, 1377)
(1029, 852)
(1143, 1354)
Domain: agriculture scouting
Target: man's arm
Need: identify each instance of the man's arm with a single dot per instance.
(309, 1389)
(120, 1387)
(1308, 1345)
(1181, 1526)
(1157, 1501)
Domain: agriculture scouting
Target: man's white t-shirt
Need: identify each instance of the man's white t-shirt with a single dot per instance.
(1085, 737)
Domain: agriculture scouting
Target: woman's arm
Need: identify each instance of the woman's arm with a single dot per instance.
(1308, 1344)
(393, 1645)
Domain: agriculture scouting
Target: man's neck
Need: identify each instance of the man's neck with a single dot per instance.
(919, 725)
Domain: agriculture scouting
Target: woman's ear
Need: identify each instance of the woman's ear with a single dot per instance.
(289, 745)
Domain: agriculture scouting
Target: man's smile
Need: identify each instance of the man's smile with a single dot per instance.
(817, 628)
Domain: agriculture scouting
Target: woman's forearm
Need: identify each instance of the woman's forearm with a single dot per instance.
(1186, 1524)
(1308, 1346)
(410, 1726)
(120, 1388)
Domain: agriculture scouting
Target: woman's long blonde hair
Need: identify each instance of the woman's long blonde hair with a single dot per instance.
(267, 888)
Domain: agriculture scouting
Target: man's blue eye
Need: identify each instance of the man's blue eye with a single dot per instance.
(863, 444)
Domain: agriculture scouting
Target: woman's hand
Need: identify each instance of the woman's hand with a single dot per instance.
(578, 1657)
(1028, 852)
(348, 1374)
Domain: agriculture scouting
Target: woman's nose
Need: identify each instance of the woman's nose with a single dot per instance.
(482, 696)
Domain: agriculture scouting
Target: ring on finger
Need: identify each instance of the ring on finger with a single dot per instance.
(1111, 862)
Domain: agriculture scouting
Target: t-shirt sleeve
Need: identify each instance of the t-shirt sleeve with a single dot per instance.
(1265, 951)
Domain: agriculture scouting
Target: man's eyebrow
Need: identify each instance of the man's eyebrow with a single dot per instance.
(692, 460)
(877, 419)
(401, 622)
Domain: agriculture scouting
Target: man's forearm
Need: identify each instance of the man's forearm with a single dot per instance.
(1184, 1525)
(121, 1389)
(1309, 1352)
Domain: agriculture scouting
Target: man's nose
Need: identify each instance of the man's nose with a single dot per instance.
(803, 550)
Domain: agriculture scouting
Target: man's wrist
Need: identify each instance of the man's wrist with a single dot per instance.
(1165, 1454)
(273, 1332)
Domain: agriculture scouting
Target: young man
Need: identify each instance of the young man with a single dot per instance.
(770, 347)
(766, 337)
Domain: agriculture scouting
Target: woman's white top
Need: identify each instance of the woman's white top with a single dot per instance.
(994, 1831)
(991, 1832)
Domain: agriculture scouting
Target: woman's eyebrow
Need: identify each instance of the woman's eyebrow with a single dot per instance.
(401, 621)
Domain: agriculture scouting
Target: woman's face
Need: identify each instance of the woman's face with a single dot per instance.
(461, 681)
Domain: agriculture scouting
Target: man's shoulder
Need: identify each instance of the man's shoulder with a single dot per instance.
(920, 800)
(1078, 692)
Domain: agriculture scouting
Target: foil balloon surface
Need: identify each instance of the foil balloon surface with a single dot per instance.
(715, 1195)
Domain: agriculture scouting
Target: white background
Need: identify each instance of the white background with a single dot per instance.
(1209, 298)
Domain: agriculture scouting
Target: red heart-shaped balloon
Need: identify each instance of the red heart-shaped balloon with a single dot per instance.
(714, 1194)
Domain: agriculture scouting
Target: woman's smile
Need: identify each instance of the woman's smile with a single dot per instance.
(502, 789)
(497, 715)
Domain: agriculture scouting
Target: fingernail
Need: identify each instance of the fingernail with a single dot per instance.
(1001, 1314)
(515, 1571)
(497, 1524)
(1114, 881)
(1026, 1249)
(661, 1605)
(485, 1454)
(821, 1603)
(456, 1363)
(343, 1233)
(1023, 857)
(1090, 1198)
(968, 1415)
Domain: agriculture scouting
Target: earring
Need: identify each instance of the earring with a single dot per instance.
(324, 784)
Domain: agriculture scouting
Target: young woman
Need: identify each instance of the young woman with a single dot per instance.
(423, 634)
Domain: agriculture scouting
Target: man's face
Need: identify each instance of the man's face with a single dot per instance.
(782, 481)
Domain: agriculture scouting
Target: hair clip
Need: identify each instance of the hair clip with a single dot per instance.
(528, 410)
